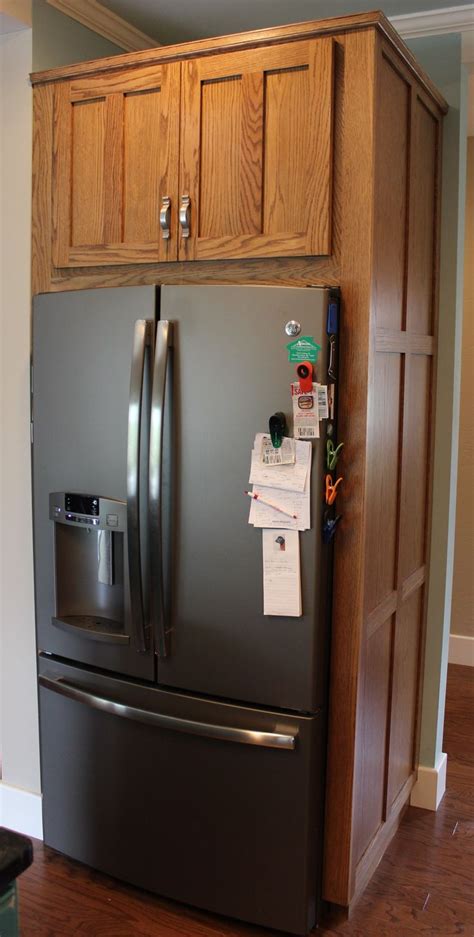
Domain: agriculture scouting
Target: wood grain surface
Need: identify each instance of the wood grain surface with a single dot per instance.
(274, 35)
(424, 885)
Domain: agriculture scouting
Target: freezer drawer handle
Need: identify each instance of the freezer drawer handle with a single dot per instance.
(155, 478)
(161, 721)
(133, 471)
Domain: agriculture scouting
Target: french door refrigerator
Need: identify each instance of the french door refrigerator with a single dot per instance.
(182, 731)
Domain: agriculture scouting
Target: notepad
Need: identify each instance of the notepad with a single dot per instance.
(281, 573)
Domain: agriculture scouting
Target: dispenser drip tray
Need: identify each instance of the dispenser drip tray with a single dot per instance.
(94, 627)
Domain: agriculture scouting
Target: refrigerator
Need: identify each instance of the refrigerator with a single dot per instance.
(182, 730)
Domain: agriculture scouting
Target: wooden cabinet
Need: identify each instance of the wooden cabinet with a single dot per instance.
(253, 178)
(310, 155)
(115, 156)
(256, 159)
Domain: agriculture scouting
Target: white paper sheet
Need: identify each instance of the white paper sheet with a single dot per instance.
(284, 455)
(281, 573)
(295, 502)
(289, 477)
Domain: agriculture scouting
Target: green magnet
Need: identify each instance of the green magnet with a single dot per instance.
(303, 349)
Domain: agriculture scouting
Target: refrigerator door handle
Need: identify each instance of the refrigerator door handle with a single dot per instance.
(155, 477)
(285, 741)
(133, 472)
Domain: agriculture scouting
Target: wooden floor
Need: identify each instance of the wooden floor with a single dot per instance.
(423, 886)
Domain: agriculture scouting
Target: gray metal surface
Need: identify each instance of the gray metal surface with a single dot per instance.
(231, 373)
(82, 346)
(231, 828)
(164, 336)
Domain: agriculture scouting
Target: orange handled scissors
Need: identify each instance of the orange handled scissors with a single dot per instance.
(331, 490)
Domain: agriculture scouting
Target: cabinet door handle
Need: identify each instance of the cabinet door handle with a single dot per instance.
(185, 215)
(165, 217)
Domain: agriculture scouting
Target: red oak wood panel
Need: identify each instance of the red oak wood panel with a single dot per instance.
(423, 227)
(416, 444)
(406, 651)
(391, 218)
(256, 152)
(115, 157)
(383, 466)
(372, 737)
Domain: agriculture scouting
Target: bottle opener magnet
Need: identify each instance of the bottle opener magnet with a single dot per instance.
(277, 428)
(305, 375)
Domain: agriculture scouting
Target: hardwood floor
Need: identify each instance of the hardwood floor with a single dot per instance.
(424, 884)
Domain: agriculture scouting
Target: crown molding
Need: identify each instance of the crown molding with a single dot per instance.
(101, 20)
(458, 19)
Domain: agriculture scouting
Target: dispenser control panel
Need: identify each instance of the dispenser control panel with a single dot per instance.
(88, 510)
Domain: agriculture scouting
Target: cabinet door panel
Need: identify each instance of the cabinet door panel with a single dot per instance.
(256, 159)
(115, 158)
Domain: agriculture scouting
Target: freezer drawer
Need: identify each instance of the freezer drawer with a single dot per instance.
(212, 804)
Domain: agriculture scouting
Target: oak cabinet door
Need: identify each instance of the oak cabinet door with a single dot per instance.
(256, 152)
(115, 159)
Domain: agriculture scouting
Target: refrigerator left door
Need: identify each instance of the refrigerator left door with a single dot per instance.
(86, 345)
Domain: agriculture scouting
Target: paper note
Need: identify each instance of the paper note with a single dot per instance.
(305, 412)
(290, 477)
(323, 409)
(283, 455)
(261, 515)
(281, 573)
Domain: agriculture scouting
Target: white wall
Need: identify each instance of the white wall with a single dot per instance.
(18, 717)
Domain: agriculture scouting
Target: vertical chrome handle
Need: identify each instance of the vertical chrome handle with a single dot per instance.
(165, 217)
(185, 215)
(133, 466)
(155, 479)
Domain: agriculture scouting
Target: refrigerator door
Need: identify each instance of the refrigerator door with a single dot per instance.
(208, 803)
(89, 484)
(230, 374)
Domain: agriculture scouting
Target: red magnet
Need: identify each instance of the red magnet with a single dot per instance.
(305, 373)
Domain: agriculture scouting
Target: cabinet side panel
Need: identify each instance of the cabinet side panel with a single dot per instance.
(404, 690)
(369, 792)
(382, 478)
(416, 444)
(41, 228)
(420, 304)
(391, 198)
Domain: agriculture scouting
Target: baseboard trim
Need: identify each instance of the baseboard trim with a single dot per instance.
(21, 811)
(461, 650)
(430, 786)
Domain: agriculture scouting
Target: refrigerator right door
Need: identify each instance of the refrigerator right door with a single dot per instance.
(230, 373)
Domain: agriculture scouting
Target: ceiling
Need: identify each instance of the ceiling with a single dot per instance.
(170, 21)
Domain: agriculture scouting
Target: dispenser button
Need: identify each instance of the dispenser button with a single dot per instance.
(112, 520)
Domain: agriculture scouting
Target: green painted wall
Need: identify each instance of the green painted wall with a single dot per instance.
(60, 40)
(441, 58)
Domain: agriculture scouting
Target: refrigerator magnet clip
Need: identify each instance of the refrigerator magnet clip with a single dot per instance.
(329, 527)
(331, 489)
(332, 454)
(305, 375)
(277, 428)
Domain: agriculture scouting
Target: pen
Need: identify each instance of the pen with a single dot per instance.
(271, 504)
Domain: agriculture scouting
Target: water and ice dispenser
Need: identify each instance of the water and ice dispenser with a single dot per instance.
(89, 556)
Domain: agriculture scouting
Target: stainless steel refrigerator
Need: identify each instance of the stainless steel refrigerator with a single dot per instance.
(182, 730)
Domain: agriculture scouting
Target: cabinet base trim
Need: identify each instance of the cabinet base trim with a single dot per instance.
(431, 785)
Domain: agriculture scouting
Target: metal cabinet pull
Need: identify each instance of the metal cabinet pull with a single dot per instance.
(165, 217)
(155, 478)
(185, 215)
(286, 741)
